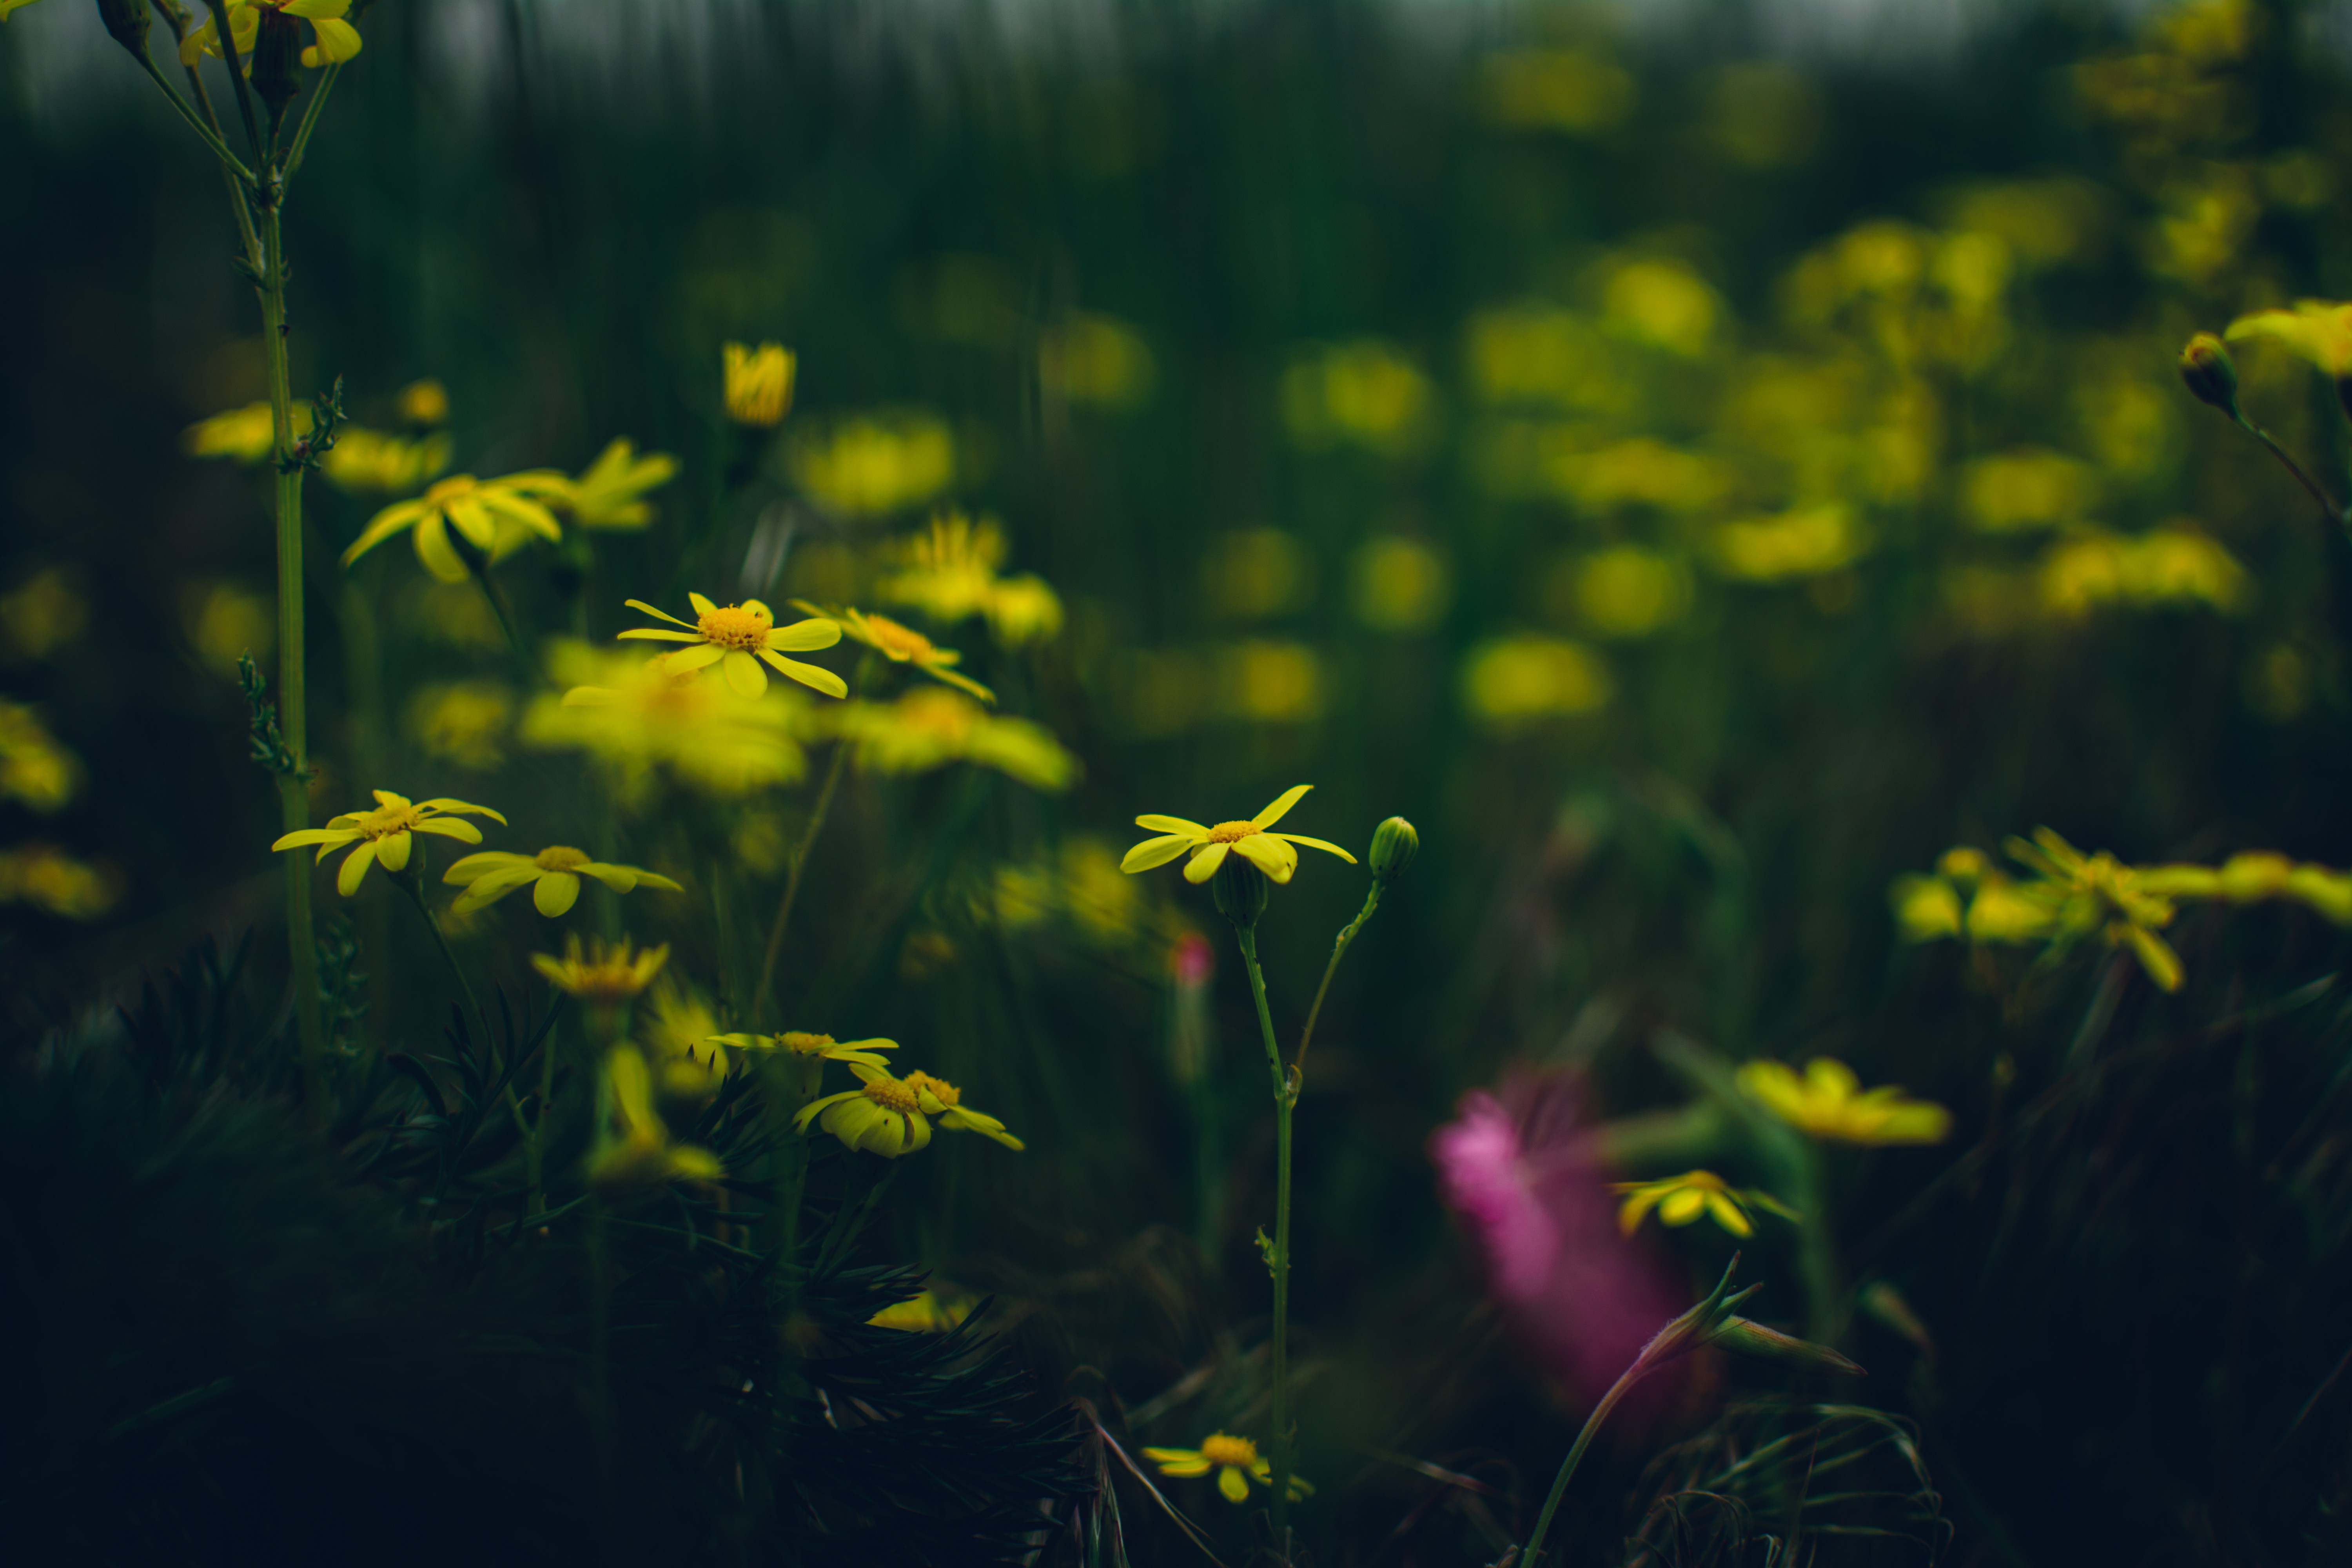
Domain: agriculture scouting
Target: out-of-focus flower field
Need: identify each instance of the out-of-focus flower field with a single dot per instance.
(1878, 743)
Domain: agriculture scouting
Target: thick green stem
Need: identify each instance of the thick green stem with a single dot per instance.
(1286, 1099)
(792, 881)
(1617, 1391)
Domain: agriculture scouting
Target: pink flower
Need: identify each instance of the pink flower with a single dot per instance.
(1521, 1175)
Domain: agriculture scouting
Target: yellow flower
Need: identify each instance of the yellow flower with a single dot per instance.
(2097, 892)
(246, 434)
(1236, 1460)
(338, 40)
(642, 1151)
(386, 832)
(635, 715)
(556, 869)
(800, 1043)
(932, 1312)
(2319, 331)
(678, 1025)
(496, 516)
(885, 1117)
(611, 494)
(941, 1099)
(1269, 852)
(875, 464)
(47, 877)
(425, 402)
(901, 645)
(928, 727)
(363, 460)
(738, 637)
(1829, 1102)
(1926, 908)
(606, 973)
(33, 768)
(951, 575)
(1681, 1199)
(758, 383)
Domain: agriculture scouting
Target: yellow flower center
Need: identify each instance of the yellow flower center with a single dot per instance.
(451, 489)
(943, 1091)
(892, 1095)
(1232, 833)
(386, 820)
(898, 642)
(801, 1043)
(559, 857)
(735, 626)
(1220, 1449)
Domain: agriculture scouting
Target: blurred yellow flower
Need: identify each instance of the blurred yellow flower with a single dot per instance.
(1261, 680)
(758, 383)
(364, 459)
(875, 464)
(679, 1026)
(1829, 1102)
(1236, 1461)
(47, 877)
(637, 716)
(611, 494)
(1624, 591)
(1680, 1200)
(1536, 351)
(1511, 681)
(1097, 359)
(554, 876)
(33, 768)
(1367, 391)
(43, 614)
(462, 722)
(1554, 89)
(606, 973)
(950, 573)
(1401, 586)
(943, 1101)
(884, 1117)
(227, 621)
(820, 1047)
(386, 832)
(2175, 564)
(928, 728)
(739, 638)
(1252, 840)
(1639, 472)
(2087, 893)
(901, 645)
(1663, 302)
(2319, 331)
(425, 402)
(1926, 908)
(931, 1312)
(336, 39)
(638, 1148)
(495, 516)
(2028, 487)
(1807, 543)
(245, 434)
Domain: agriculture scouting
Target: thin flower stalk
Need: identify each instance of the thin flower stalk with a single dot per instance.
(1285, 1100)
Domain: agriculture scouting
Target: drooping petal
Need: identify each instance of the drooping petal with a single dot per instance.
(197, 44)
(1638, 1204)
(1232, 1484)
(557, 891)
(1323, 843)
(393, 850)
(316, 10)
(620, 878)
(438, 555)
(1289, 798)
(964, 681)
(489, 888)
(472, 519)
(743, 673)
(804, 637)
(472, 868)
(355, 866)
(1181, 1463)
(337, 41)
(1159, 824)
(657, 633)
(524, 512)
(1726, 1215)
(810, 1112)
(463, 807)
(1269, 854)
(665, 615)
(1204, 864)
(815, 676)
(1681, 1206)
(303, 836)
(687, 660)
(385, 523)
(1158, 851)
(464, 832)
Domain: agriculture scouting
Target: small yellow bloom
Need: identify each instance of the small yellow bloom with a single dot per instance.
(1829, 1102)
(758, 383)
(555, 871)
(901, 645)
(1926, 908)
(1236, 1460)
(364, 459)
(942, 1099)
(876, 463)
(47, 877)
(638, 1149)
(932, 1312)
(425, 402)
(950, 576)
(2319, 331)
(33, 768)
(611, 494)
(605, 973)
(677, 1024)
(385, 833)
(885, 1117)
(337, 40)
(738, 637)
(928, 727)
(800, 1043)
(2097, 892)
(1269, 852)
(1680, 1200)
(248, 434)
(635, 715)
(497, 517)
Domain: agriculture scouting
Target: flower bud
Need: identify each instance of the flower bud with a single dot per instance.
(1751, 1338)
(127, 22)
(2210, 375)
(276, 70)
(1241, 891)
(1394, 844)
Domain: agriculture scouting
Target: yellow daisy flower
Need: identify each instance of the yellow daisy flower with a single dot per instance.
(497, 517)
(556, 869)
(1235, 1460)
(950, 576)
(1269, 852)
(885, 1117)
(635, 715)
(338, 40)
(901, 645)
(642, 1152)
(677, 1024)
(385, 833)
(800, 1043)
(738, 637)
(941, 1099)
(425, 402)
(928, 728)
(1681, 1199)
(611, 494)
(758, 383)
(2319, 331)
(605, 973)
(1829, 1102)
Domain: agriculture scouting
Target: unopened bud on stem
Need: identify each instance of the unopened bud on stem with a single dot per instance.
(2210, 375)
(1394, 844)
(126, 23)
(276, 70)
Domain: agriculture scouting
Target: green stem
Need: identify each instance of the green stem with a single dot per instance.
(411, 882)
(212, 139)
(535, 1135)
(224, 40)
(1338, 950)
(2311, 486)
(1817, 1249)
(309, 122)
(1617, 1391)
(793, 882)
(1286, 1099)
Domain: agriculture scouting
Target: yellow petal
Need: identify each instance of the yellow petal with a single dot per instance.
(557, 891)
(1205, 865)
(338, 40)
(1193, 831)
(744, 675)
(1681, 1206)
(702, 606)
(302, 836)
(451, 827)
(687, 660)
(1271, 855)
(657, 633)
(1323, 843)
(815, 676)
(355, 866)
(1726, 1215)
(1289, 797)
(438, 555)
(1232, 1484)
(388, 521)
(804, 637)
(1643, 1200)
(393, 850)
(1158, 851)
(665, 615)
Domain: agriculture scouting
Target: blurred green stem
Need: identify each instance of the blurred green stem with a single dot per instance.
(1609, 1401)
(1285, 1099)
(1338, 950)
(792, 880)
(2312, 488)
(1817, 1243)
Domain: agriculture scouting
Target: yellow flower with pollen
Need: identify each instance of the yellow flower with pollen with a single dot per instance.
(941, 1099)
(386, 832)
(901, 645)
(758, 383)
(611, 494)
(642, 1152)
(1829, 1102)
(338, 40)
(885, 1117)
(800, 1043)
(497, 517)
(2319, 331)
(1235, 1460)
(928, 728)
(556, 869)
(606, 973)
(1269, 852)
(1680, 1200)
(738, 637)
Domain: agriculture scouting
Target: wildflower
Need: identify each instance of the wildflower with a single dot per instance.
(1513, 679)
(364, 459)
(337, 40)
(47, 877)
(1828, 1102)
(425, 402)
(2319, 331)
(387, 833)
(248, 434)
(606, 973)
(950, 576)
(1269, 852)
(1235, 1460)
(738, 637)
(42, 615)
(932, 1312)
(758, 383)
(496, 517)
(678, 1025)
(2210, 375)
(942, 1099)
(1926, 908)
(462, 722)
(902, 645)
(823, 1048)
(643, 1151)
(33, 768)
(636, 715)
(877, 463)
(885, 1117)
(555, 871)
(928, 727)
(2084, 893)
(1681, 1199)
(1394, 844)
(610, 495)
